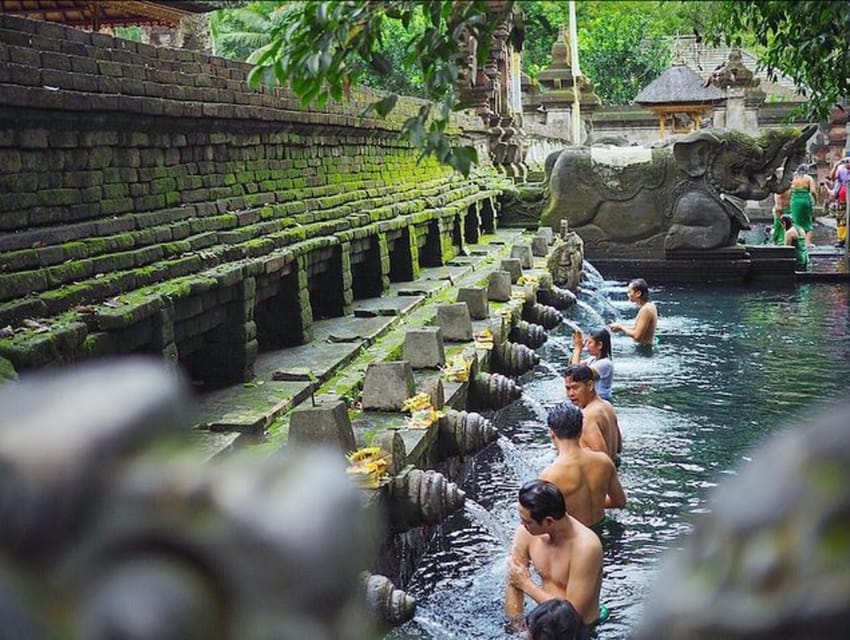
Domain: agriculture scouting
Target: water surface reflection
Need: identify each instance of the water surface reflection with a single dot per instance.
(731, 366)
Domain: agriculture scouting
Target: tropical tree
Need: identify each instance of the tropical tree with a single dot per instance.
(807, 41)
(621, 54)
(322, 48)
(239, 32)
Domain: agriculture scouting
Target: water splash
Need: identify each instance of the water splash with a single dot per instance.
(594, 317)
(591, 276)
(476, 513)
(522, 468)
(602, 305)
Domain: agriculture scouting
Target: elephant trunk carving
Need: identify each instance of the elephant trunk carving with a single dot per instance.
(689, 195)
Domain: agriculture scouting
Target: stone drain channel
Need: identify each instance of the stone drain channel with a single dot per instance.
(458, 335)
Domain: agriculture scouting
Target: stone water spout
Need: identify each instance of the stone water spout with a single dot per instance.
(99, 521)
(542, 314)
(493, 391)
(466, 432)
(513, 359)
(420, 497)
(556, 297)
(389, 606)
(527, 333)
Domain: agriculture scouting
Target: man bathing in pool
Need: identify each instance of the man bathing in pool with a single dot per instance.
(566, 554)
(587, 479)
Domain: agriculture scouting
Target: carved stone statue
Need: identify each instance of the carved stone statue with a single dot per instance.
(770, 559)
(104, 535)
(642, 202)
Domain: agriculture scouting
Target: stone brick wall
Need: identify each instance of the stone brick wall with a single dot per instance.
(150, 201)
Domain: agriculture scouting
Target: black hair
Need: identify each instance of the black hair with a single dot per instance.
(556, 620)
(603, 336)
(787, 221)
(579, 373)
(639, 285)
(565, 420)
(543, 499)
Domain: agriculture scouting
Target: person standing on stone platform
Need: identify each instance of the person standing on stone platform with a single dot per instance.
(803, 190)
(795, 237)
(781, 207)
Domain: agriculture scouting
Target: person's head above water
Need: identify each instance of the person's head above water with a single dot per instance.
(603, 337)
(579, 384)
(565, 421)
(539, 500)
(555, 620)
(639, 289)
(787, 221)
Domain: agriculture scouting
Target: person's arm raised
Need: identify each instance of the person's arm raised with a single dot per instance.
(578, 344)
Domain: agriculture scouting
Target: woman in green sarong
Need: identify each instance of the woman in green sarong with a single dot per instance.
(802, 198)
(795, 237)
(781, 207)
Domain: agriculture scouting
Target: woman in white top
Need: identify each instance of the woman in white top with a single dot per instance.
(598, 345)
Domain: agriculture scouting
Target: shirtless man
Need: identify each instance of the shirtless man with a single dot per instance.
(566, 554)
(587, 479)
(643, 331)
(600, 431)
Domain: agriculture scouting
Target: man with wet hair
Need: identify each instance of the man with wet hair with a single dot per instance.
(643, 330)
(600, 430)
(566, 554)
(556, 620)
(587, 479)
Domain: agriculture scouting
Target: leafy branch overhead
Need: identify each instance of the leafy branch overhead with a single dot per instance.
(809, 41)
(322, 48)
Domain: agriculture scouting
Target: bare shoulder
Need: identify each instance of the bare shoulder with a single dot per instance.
(588, 544)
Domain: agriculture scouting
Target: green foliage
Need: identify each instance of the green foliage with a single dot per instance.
(622, 45)
(237, 33)
(621, 54)
(321, 49)
(806, 40)
(133, 33)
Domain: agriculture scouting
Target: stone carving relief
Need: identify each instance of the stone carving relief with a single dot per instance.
(689, 195)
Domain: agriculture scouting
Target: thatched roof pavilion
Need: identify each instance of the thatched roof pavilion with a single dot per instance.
(680, 98)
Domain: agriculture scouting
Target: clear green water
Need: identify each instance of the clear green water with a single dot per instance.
(731, 367)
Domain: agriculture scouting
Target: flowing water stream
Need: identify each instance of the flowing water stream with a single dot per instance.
(731, 367)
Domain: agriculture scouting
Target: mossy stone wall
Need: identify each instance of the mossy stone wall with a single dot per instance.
(150, 201)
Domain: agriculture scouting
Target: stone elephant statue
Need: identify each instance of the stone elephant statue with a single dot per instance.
(688, 195)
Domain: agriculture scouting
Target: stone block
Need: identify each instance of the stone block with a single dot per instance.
(423, 348)
(513, 266)
(539, 246)
(548, 233)
(455, 322)
(523, 253)
(434, 388)
(476, 299)
(325, 424)
(499, 286)
(387, 385)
